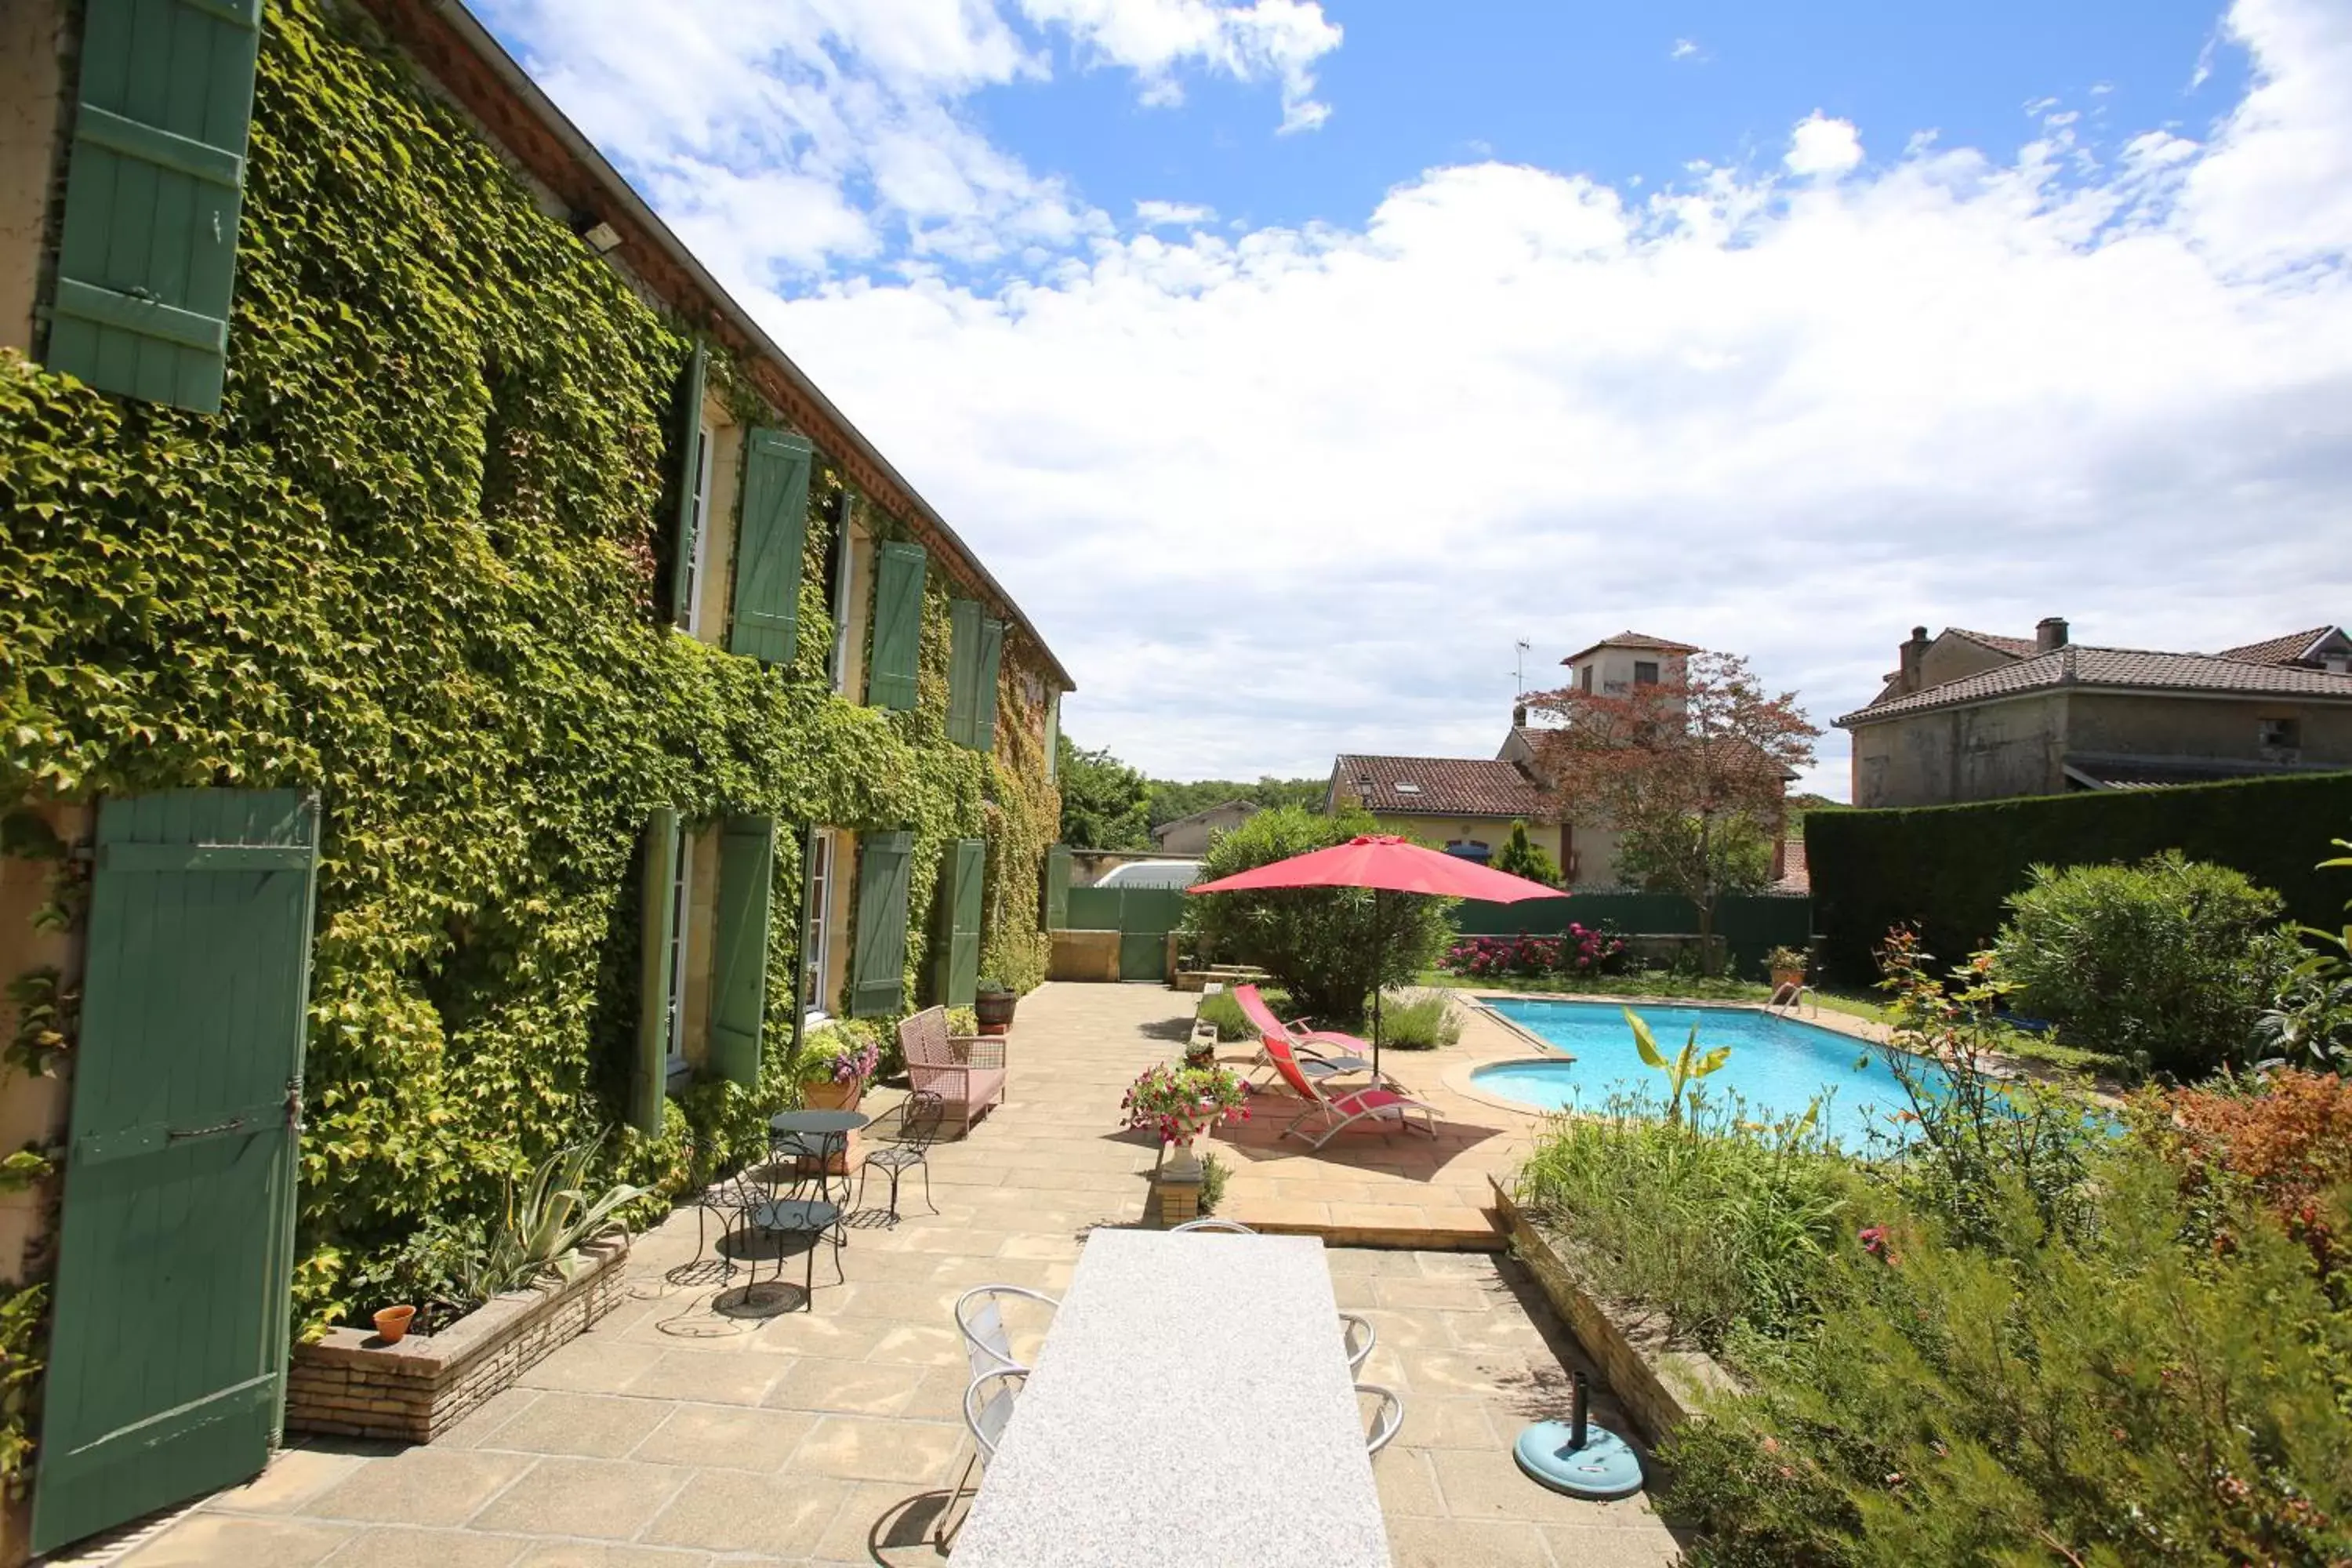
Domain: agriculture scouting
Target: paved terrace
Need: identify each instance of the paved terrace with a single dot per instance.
(676, 1436)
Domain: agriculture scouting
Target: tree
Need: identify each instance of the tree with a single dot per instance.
(1658, 857)
(1680, 767)
(1103, 800)
(1327, 946)
(1522, 856)
(1171, 799)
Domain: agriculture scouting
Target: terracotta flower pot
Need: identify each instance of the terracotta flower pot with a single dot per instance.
(391, 1323)
(994, 1011)
(1787, 977)
(831, 1095)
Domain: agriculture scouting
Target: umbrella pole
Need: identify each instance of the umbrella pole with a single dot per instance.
(1379, 969)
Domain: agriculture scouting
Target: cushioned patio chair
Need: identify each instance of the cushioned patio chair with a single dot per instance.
(966, 1071)
(1320, 1053)
(1345, 1108)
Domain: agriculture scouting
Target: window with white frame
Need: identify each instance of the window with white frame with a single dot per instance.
(699, 546)
(681, 910)
(816, 942)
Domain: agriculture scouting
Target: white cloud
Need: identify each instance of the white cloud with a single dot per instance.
(1177, 215)
(1822, 146)
(1276, 40)
(1277, 492)
(1684, 49)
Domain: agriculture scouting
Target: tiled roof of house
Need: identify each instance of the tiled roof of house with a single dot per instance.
(1249, 808)
(1440, 786)
(2277, 650)
(2137, 668)
(1796, 877)
(1633, 639)
(2016, 648)
(2101, 770)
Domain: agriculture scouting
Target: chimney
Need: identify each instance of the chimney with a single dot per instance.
(2049, 633)
(1519, 717)
(1907, 680)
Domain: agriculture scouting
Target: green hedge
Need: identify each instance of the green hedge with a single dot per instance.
(1947, 867)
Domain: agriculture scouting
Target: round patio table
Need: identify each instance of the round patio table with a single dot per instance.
(818, 1135)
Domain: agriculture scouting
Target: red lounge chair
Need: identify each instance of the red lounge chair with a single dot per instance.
(1346, 1108)
(1314, 1063)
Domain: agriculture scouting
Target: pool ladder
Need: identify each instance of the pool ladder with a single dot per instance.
(1788, 1009)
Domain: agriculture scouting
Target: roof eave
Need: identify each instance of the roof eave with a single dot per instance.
(632, 213)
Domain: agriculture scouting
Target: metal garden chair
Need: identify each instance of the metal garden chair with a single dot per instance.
(803, 1210)
(920, 1120)
(986, 1344)
(728, 1198)
(1387, 1416)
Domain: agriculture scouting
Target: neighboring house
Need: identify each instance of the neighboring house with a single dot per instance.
(578, 700)
(1615, 665)
(1191, 835)
(1973, 716)
(1463, 804)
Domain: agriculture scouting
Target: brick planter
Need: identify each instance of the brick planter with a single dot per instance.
(348, 1386)
(1658, 1387)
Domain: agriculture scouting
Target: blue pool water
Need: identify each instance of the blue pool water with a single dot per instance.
(1776, 1064)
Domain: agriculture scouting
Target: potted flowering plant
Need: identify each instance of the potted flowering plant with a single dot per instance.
(1787, 965)
(992, 1003)
(1178, 1103)
(838, 1062)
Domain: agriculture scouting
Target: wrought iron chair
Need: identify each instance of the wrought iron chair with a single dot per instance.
(802, 1210)
(920, 1120)
(726, 1197)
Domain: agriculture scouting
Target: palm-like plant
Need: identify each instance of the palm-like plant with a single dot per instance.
(1686, 1069)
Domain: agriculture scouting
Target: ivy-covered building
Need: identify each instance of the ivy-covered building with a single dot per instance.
(463, 689)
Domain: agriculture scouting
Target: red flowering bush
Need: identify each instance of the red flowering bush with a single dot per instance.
(2289, 1146)
(1582, 950)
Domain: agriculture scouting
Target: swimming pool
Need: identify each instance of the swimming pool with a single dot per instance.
(1776, 1064)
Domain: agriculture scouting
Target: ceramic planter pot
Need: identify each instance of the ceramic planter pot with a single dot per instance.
(1787, 977)
(391, 1323)
(994, 1011)
(830, 1095)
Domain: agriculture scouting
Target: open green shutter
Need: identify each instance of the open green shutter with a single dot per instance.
(686, 442)
(992, 655)
(897, 627)
(147, 257)
(963, 671)
(738, 981)
(1058, 887)
(964, 871)
(877, 981)
(649, 1069)
(768, 548)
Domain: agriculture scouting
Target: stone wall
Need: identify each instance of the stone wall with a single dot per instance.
(1090, 955)
(349, 1385)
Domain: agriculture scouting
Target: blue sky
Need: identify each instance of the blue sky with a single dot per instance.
(1623, 92)
(1290, 360)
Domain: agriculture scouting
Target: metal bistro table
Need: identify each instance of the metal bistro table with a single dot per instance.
(1191, 1405)
(819, 1135)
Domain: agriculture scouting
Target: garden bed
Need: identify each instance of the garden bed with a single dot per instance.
(1658, 1385)
(351, 1384)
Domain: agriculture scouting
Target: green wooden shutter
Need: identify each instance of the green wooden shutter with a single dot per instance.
(649, 1071)
(963, 872)
(1058, 887)
(176, 1239)
(147, 257)
(768, 547)
(685, 441)
(877, 981)
(963, 672)
(738, 982)
(897, 626)
(992, 655)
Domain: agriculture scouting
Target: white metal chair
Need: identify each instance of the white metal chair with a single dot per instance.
(1386, 1419)
(1356, 1335)
(988, 1346)
(984, 1417)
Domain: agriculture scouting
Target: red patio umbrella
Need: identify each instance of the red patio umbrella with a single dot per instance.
(1385, 864)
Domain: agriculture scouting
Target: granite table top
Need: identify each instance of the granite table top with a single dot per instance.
(1191, 1404)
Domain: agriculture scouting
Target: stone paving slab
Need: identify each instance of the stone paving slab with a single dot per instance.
(679, 1434)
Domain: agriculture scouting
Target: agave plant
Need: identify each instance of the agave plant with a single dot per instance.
(549, 1219)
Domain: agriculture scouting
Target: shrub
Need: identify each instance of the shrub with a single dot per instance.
(1327, 947)
(1418, 1021)
(2286, 1147)
(1582, 950)
(1220, 1009)
(1522, 856)
(1717, 1222)
(2166, 965)
(2115, 1399)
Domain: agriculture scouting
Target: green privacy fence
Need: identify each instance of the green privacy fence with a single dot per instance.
(1143, 916)
(1748, 923)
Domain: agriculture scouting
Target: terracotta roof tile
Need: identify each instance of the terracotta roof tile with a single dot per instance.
(1442, 786)
(1633, 639)
(2277, 650)
(1795, 876)
(2016, 648)
(2077, 665)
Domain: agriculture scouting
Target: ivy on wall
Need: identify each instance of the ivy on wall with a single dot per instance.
(411, 566)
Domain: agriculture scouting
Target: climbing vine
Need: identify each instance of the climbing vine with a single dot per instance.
(411, 566)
